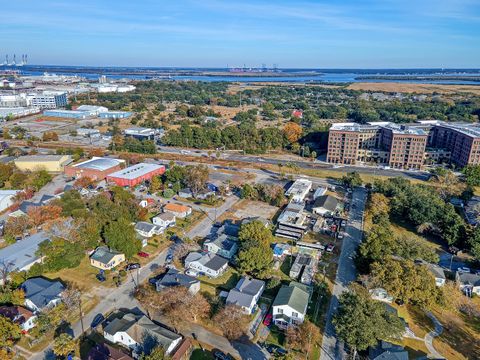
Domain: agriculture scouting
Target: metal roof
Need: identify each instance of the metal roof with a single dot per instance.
(293, 295)
(98, 163)
(135, 171)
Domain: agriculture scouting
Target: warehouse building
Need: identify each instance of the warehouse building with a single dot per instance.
(51, 163)
(114, 115)
(72, 114)
(97, 168)
(135, 174)
(92, 110)
(140, 133)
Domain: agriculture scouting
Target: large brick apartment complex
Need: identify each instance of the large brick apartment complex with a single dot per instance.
(409, 146)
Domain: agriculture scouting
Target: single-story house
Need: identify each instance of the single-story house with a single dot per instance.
(290, 305)
(107, 352)
(381, 294)
(19, 315)
(325, 204)
(246, 294)
(387, 351)
(206, 263)
(175, 278)
(223, 245)
(7, 198)
(468, 283)
(164, 220)
(106, 259)
(204, 194)
(137, 332)
(185, 193)
(42, 293)
(147, 229)
(180, 211)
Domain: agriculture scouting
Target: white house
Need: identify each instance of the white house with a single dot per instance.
(468, 283)
(299, 190)
(246, 294)
(206, 263)
(42, 293)
(19, 315)
(164, 220)
(290, 305)
(7, 198)
(147, 230)
(133, 331)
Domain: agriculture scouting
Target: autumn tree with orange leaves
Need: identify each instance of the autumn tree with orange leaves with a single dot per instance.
(39, 215)
(293, 132)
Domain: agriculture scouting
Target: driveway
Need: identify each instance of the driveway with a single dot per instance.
(346, 272)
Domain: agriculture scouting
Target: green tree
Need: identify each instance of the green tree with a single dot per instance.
(120, 235)
(158, 353)
(196, 177)
(361, 322)
(10, 332)
(63, 345)
(472, 174)
(352, 179)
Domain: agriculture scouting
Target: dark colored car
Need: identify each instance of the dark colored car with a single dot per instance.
(132, 266)
(97, 320)
(101, 277)
(169, 258)
(219, 355)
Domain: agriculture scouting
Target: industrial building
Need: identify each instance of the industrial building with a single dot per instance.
(51, 163)
(17, 112)
(292, 222)
(141, 133)
(97, 168)
(50, 100)
(72, 114)
(299, 190)
(114, 115)
(92, 110)
(135, 174)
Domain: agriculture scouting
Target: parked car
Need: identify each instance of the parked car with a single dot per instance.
(132, 266)
(143, 254)
(330, 247)
(219, 355)
(100, 277)
(463, 269)
(340, 236)
(97, 320)
(268, 320)
(168, 258)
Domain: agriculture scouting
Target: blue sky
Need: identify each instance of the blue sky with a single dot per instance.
(214, 33)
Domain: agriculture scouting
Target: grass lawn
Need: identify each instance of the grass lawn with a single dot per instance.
(184, 225)
(199, 354)
(225, 282)
(276, 336)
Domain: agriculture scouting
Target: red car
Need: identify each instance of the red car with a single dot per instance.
(268, 320)
(143, 254)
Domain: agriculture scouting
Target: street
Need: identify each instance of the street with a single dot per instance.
(346, 273)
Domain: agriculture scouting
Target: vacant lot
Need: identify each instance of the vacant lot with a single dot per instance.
(248, 208)
(415, 88)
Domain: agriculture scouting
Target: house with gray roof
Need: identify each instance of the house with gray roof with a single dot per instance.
(468, 283)
(147, 229)
(387, 351)
(290, 305)
(206, 263)
(175, 278)
(42, 293)
(106, 259)
(246, 294)
(139, 333)
(325, 204)
(222, 245)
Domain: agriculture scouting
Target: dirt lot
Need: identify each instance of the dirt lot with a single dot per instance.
(248, 208)
(415, 88)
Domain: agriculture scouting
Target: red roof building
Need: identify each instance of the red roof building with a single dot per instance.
(97, 168)
(135, 174)
(297, 114)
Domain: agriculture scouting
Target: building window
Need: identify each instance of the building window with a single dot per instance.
(280, 311)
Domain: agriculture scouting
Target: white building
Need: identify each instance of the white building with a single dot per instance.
(290, 305)
(148, 230)
(206, 263)
(92, 110)
(49, 100)
(164, 220)
(133, 331)
(7, 198)
(299, 190)
(246, 294)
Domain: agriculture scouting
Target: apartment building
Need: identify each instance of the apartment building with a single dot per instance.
(49, 100)
(406, 146)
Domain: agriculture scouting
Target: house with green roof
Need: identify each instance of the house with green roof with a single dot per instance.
(290, 305)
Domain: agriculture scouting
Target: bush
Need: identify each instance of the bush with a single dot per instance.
(168, 193)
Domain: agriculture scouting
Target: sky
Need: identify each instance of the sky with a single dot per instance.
(215, 33)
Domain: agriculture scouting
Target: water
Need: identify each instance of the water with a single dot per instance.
(318, 75)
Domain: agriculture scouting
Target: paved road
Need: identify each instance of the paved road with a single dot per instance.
(121, 297)
(432, 352)
(346, 273)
